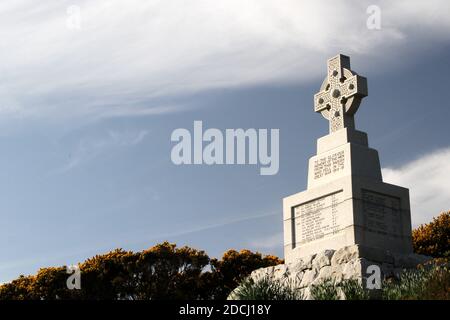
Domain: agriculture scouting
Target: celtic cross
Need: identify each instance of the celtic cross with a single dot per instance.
(340, 94)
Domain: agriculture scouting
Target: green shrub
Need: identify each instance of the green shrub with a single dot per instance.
(349, 289)
(432, 282)
(410, 286)
(438, 285)
(354, 290)
(433, 239)
(326, 290)
(267, 288)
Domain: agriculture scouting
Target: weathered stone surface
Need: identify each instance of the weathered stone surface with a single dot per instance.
(351, 269)
(343, 264)
(304, 263)
(345, 255)
(261, 273)
(322, 259)
(308, 277)
(296, 278)
(325, 272)
(280, 271)
(336, 272)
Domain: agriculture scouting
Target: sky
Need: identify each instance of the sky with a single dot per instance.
(91, 91)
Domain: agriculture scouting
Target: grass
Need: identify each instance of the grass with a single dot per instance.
(267, 288)
(426, 283)
(326, 290)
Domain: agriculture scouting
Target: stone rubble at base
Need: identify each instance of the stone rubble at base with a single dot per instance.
(349, 262)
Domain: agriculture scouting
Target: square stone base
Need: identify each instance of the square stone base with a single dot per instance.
(345, 212)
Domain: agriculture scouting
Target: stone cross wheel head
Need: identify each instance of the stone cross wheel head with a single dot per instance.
(340, 94)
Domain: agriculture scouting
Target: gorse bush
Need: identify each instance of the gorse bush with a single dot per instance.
(236, 266)
(160, 272)
(433, 239)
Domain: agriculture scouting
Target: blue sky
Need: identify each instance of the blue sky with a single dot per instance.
(86, 116)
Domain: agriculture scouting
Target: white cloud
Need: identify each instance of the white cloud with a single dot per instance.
(269, 242)
(427, 179)
(90, 148)
(217, 224)
(128, 52)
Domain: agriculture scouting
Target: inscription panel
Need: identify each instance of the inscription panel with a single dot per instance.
(381, 213)
(317, 219)
(330, 164)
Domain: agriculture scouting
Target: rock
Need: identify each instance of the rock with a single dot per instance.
(322, 259)
(348, 270)
(308, 277)
(344, 255)
(295, 278)
(356, 269)
(336, 272)
(325, 272)
(280, 271)
(350, 262)
(261, 273)
(304, 263)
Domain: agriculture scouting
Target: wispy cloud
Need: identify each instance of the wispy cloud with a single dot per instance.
(123, 111)
(218, 224)
(268, 242)
(127, 53)
(427, 179)
(88, 149)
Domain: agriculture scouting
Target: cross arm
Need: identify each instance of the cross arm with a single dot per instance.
(354, 86)
(336, 67)
(322, 101)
